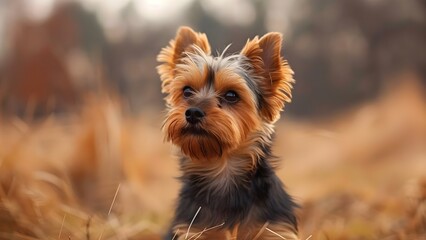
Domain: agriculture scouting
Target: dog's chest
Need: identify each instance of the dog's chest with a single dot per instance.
(226, 196)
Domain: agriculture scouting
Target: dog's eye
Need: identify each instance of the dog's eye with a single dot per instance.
(231, 97)
(187, 92)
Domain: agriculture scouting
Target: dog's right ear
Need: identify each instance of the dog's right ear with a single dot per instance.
(185, 41)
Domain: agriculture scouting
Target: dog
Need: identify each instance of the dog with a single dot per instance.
(220, 114)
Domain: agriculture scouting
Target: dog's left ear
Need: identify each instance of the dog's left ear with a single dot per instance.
(273, 74)
(186, 41)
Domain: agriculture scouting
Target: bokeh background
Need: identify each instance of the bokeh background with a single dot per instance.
(81, 149)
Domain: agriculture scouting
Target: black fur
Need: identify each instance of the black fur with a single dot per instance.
(260, 189)
(210, 76)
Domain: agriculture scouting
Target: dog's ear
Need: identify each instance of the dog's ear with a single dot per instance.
(186, 41)
(272, 73)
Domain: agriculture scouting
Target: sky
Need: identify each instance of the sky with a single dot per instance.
(239, 12)
(152, 10)
(148, 13)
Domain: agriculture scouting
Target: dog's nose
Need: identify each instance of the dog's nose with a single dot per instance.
(194, 115)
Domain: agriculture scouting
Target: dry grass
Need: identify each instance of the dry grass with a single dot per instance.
(360, 175)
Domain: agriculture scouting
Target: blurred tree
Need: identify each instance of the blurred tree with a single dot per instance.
(220, 34)
(344, 52)
(38, 75)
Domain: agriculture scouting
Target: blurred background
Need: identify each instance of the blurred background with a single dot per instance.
(81, 149)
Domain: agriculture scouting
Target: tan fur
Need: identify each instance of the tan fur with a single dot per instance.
(201, 233)
(170, 56)
(249, 231)
(227, 130)
(275, 74)
(267, 231)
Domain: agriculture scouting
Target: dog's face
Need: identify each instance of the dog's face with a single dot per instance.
(215, 103)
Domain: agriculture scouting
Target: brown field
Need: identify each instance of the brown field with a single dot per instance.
(102, 173)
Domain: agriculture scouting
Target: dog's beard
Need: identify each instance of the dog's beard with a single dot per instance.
(201, 145)
(196, 142)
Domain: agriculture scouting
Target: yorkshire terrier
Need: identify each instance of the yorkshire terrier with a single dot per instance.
(221, 111)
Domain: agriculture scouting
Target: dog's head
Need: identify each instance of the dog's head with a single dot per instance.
(216, 102)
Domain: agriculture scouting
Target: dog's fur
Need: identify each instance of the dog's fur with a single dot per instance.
(221, 111)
